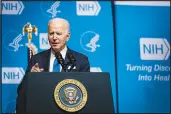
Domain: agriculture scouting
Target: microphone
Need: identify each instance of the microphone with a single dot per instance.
(72, 61)
(60, 60)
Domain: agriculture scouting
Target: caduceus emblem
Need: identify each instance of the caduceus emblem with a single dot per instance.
(28, 28)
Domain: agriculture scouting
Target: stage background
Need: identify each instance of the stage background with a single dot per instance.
(89, 21)
(142, 36)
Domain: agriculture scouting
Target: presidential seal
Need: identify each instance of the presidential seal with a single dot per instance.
(70, 95)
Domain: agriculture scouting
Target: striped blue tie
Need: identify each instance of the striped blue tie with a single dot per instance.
(56, 67)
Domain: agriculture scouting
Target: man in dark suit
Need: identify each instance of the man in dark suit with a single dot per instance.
(58, 35)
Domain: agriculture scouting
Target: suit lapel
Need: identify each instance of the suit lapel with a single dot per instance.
(67, 60)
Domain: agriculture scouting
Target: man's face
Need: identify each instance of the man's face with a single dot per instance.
(58, 36)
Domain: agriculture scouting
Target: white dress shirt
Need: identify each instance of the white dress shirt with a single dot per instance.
(52, 59)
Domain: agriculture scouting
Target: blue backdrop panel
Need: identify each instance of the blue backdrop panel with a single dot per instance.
(143, 58)
(91, 23)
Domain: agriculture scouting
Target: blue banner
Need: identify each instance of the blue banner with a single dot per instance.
(143, 56)
(91, 34)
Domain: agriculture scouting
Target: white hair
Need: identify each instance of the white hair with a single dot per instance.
(58, 20)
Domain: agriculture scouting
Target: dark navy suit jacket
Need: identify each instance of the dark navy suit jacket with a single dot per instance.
(43, 60)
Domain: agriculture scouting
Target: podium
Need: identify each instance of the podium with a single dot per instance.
(41, 87)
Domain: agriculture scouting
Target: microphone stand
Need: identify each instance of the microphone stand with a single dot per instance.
(61, 61)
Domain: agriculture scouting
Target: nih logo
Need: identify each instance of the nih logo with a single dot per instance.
(88, 8)
(12, 75)
(43, 41)
(154, 49)
(12, 7)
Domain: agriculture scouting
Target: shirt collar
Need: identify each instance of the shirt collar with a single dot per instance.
(63, 53)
